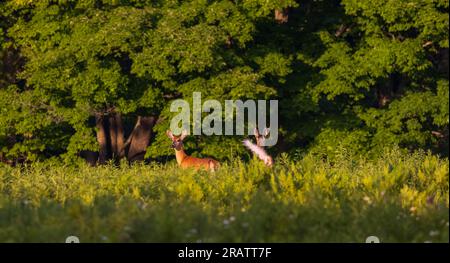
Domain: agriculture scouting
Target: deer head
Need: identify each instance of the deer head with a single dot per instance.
(260, 138)
(177, 141)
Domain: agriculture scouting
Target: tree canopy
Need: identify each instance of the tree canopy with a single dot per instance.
(82, 76)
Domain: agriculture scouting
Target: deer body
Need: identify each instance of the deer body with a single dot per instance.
(185, 161)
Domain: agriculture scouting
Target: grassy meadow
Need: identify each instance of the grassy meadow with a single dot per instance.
(399, 198)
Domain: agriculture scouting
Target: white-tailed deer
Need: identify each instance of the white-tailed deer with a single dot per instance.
(259, 152)
(186, 161)
(257, 148)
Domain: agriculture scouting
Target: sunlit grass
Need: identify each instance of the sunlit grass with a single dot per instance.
(399, 198)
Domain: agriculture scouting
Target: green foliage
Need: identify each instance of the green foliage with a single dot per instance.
(408, 121)
(399, 197)
(353, 78)
(384, 47)
(348, 74)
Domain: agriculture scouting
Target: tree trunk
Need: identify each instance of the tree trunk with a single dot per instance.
(140, 138)
(110, 138)
(116, 135)
(102, 138)
(120, 137)
(282, 16)
(113, 134)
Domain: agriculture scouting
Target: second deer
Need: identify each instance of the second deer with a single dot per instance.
(258, 149)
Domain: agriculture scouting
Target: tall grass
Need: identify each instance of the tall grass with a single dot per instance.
(399, 198)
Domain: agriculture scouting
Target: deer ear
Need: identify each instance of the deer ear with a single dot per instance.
(256, 132)
(266, 132)
(184, 133)
(169, 134)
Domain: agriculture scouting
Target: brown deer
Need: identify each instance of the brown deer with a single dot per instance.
(185, 161)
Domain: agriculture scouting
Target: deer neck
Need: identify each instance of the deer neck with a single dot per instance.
(180, 155)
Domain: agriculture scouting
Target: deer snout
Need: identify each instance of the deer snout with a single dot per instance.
(177, 145)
